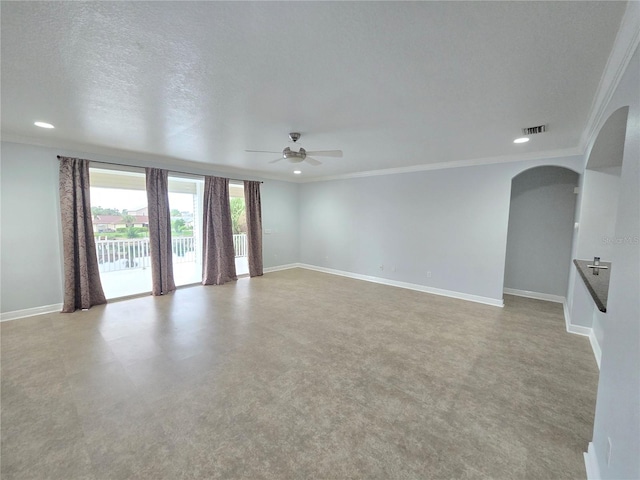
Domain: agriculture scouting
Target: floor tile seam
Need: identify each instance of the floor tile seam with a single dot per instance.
(473, 359)
(387, 426)
(416, 471)
(79, 343)
(66, 400)
(137, 389)
(20, 378)
(303, 414)
(25, 323)
(84, 427)
(416, 398)
(286, 337)
(28, 344)
(77, 417)
(170, 439)
(459, 383)
(223, 358)
(371, 379)
(119, 337)
(91, 364)
(122, 368)
(134, 338)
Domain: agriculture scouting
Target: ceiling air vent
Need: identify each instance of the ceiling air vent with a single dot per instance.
(534, 130)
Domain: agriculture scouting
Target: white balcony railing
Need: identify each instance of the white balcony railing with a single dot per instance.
(124, 254)
(240, 244)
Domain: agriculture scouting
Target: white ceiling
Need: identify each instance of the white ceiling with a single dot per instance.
(391, 84)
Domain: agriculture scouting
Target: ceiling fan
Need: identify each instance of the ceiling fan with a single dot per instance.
(302, 155)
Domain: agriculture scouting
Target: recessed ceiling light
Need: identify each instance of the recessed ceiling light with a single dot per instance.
(297, 172)
(43, 125)
(521, 140)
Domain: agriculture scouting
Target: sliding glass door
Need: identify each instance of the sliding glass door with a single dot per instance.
(185, 202)
(121, 229)
(239, 225)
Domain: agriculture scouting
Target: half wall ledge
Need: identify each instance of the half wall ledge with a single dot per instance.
(597, 284)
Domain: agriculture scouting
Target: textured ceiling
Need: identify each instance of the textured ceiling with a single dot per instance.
(391, 84)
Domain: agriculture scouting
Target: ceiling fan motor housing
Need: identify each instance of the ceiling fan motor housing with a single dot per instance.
(294, 136)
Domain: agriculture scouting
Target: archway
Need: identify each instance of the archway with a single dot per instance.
(600, 188)
(540, 232)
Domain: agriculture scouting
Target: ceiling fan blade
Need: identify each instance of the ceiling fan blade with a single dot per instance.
(313, 161)
(260, 151)
(326, 153)
(276, 160)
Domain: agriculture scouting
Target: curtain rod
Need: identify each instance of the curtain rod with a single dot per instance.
(174, 171)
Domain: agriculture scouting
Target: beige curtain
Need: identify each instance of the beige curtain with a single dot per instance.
(82, 287)
(160, 231)
(218, 262)
(253, 212)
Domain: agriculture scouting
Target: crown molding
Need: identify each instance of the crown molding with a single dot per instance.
(567, 152)
(624, 47)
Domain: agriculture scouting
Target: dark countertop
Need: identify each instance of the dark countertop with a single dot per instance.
(598, 285)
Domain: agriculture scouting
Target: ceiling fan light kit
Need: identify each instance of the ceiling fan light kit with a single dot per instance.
(301, 155)
(294, 156)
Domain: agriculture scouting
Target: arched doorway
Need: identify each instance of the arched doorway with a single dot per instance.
(540, 232)
(600, 188)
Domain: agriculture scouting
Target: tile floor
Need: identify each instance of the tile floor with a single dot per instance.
(296, 374)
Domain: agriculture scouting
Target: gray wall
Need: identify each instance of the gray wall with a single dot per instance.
(280, 215)
(582, 304)
(540, 232)
(452, 223)
(598, 208)
(618, 403)
(30, 262)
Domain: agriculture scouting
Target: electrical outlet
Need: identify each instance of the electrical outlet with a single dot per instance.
(429, 274)
(608, 451)
(381, 267)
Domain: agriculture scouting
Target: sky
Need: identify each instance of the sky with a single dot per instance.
(135, 199)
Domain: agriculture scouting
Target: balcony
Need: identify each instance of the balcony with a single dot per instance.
(125, 264)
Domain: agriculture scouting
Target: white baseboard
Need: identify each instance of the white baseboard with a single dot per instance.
(495, 302)
(29, 312)
(595, 346)
(591, 463)
(579, 330)
(536, 295)
(277, 268)
(585, 331)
